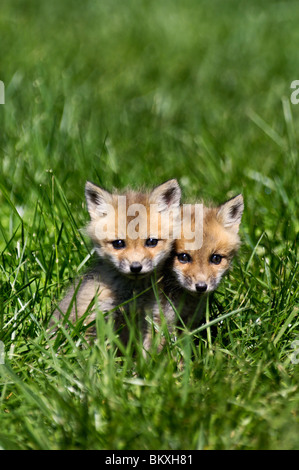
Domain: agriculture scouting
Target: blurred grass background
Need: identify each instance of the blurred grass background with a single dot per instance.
(134, 93)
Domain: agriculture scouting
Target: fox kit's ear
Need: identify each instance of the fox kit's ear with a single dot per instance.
(230, 213)
(166, 195)
(97, 200)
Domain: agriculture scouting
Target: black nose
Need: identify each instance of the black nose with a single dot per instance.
(136, 267)
(201, 287)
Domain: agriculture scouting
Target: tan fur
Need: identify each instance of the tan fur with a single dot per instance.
(111, 282)
(220, 236)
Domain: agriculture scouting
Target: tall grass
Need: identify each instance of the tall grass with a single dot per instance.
(134, 93)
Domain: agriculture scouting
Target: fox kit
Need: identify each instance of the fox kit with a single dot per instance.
(129, 249)
(193, 273)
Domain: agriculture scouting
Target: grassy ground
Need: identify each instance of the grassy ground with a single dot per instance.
(135, 93)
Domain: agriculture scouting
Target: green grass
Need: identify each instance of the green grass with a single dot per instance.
(135, 93)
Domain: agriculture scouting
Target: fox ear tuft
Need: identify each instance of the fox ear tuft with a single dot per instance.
(166, 195)
(97, 200)
(230, 213)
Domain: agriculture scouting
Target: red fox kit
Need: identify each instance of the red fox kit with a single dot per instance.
(192, 274)
(129, 248)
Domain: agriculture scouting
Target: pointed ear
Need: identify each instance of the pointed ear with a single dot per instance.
(97, 200)
(166, 195)
(230, 213)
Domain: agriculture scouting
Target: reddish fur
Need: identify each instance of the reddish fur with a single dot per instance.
(216, 239)
(178, 288)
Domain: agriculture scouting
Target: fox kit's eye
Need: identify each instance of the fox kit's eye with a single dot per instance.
(118, 244)
(184, 258)
(151, 242)
(216, 259)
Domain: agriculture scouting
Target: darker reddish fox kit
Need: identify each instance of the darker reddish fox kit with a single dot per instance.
(130, 248)
(191, 274)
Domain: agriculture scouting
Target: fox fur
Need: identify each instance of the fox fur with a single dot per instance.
(125, 262)
(190, 275)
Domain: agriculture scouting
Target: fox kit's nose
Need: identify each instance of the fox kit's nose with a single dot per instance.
(201, 287)
(135, 267)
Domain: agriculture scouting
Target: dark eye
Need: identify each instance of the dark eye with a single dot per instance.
(216, 259)
(184, 258)
(151, 242)
(118, 244)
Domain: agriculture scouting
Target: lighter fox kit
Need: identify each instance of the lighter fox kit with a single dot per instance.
(192, 274)
(129, 250)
